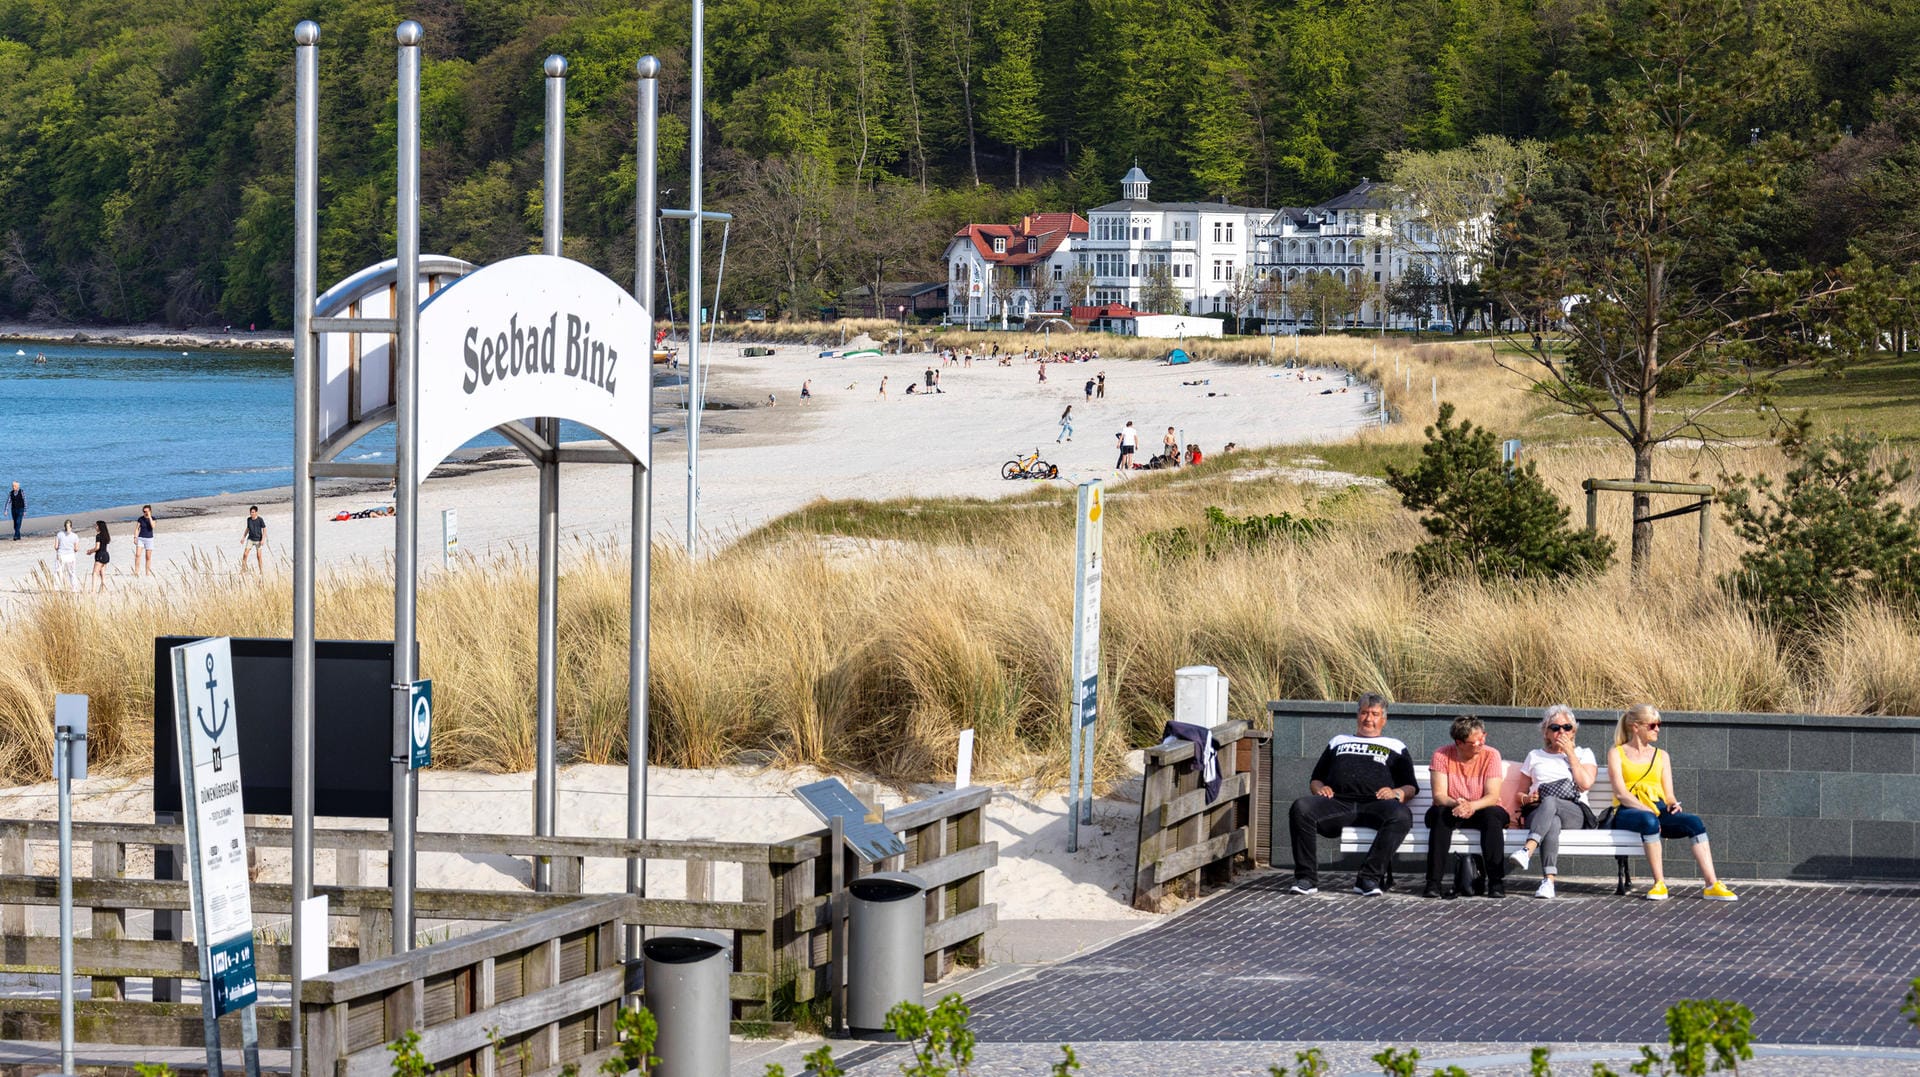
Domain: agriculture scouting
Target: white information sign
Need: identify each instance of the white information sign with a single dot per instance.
(534, 336)
(1084, 678)
(216, 821)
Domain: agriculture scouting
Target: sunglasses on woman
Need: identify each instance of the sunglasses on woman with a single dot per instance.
(1653, 725)
(1560, 729)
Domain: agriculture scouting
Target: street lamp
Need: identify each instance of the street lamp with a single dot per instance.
(1181, 328)
(903, 329)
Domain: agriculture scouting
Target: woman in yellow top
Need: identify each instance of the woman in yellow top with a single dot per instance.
(1643, 796)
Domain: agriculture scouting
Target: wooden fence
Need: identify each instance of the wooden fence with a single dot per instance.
(781, 924)
(1187, 838)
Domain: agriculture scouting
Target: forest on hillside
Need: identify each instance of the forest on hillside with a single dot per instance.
(145, 145)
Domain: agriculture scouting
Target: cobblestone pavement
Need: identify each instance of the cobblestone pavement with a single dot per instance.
(1143, 1059)
(1816, 964)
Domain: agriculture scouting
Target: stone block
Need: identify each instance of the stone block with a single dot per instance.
(1820, 749)
(1726, 792)
(1757, 749)
(1900, 797)
(1872, 838)
(1850, 796)
(1702, 746)
(1883, 753)
(1744, 837)
(1817, 841)
(1788, 793)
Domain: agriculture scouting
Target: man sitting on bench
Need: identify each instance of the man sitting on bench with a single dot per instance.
(1362, 779)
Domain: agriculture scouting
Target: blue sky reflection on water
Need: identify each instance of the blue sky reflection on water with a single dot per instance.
(94, 426)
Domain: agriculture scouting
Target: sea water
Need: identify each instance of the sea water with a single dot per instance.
(95, 427)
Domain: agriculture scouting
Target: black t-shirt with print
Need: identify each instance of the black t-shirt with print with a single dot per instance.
(1357, 768)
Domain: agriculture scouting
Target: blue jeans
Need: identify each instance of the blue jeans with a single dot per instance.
(1667, 824)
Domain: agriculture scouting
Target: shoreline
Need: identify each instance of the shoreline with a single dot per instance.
(147, 336)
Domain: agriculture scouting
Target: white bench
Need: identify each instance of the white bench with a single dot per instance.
(1619, 844)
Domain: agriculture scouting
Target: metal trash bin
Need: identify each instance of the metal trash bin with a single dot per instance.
(886, 949)
(686, 989)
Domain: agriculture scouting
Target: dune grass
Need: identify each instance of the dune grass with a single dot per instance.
(867, 635)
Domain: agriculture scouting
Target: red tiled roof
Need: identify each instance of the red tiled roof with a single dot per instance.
(1050, 229)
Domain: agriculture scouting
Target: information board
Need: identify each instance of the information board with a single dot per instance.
(215, 820)
(861, 825)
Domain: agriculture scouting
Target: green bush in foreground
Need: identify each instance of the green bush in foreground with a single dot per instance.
(1486, 519)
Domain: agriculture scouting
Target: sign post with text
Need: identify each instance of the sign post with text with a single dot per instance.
(217, 841)
(1084, 672)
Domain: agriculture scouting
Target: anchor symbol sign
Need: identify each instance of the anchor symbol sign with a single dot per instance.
(219, 725)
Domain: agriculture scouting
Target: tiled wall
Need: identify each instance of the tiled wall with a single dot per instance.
(1785, 796)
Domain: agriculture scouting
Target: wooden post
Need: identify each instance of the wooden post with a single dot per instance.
(837, 912)
(1593, 505)
(970, 893)
(109, 862)
(1706, 523)
(756, 947)
(1156, 791)
(932, 845)
(13, 861)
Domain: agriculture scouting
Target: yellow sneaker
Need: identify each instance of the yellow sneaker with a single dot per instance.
(1658, 892)
(1719, 892)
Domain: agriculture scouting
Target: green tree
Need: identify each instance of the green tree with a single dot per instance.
(1668, 292)
(1011, 111)
(1486, 519)
(1158, 295)
(1830, 533)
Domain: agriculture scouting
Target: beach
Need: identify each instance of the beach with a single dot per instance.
(764, 452)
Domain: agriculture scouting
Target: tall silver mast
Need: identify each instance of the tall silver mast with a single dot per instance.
(406, 495)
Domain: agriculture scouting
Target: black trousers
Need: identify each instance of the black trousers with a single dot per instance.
(1490, 821)
(1314, 816)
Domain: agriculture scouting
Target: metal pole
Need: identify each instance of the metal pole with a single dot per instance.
(306, 202)
(640, 580)
(62, 745)
(406, 496)
(546, 726)
(697, 203)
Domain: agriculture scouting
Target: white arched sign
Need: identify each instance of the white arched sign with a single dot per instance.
(537, 335)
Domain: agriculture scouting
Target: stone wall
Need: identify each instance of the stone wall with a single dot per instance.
(1785, 796)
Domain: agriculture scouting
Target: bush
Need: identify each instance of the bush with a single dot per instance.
(1828, 536)
(1486, 519)
(1224, 533)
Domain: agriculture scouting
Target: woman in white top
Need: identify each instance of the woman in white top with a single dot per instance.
(1553, 792)
(66, 544)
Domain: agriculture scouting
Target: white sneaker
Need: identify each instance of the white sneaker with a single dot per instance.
(1368, 889)
(1521, 859)
(1546, 888)
(1302, 887)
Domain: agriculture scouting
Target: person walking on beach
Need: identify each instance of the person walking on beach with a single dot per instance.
(883, 386)
(100, 556)
(1043, 373)
(1089, 397)
(66, 547)
(255, 540)
(1066, 426)
(806, 389)
(17, 504)
(143, 542)
(1129, 439)
(1100, 386)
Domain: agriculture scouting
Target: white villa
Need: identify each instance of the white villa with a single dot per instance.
(1218, 258)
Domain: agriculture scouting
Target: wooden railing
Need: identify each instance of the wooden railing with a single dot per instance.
(1187, 839)
(781, 923)
(515, 999)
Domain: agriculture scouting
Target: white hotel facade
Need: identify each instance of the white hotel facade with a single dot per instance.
(1209, 250)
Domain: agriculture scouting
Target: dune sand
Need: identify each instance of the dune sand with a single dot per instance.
(759, 458)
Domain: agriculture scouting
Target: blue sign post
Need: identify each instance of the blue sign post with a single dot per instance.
(420, 725)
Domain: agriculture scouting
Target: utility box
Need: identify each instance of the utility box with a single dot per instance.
(1199, 696)
(886, 949)
(686, 988)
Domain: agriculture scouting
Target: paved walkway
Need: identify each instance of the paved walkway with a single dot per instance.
(1243, 980)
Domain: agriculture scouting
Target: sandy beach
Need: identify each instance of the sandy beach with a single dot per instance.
(765, 452)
